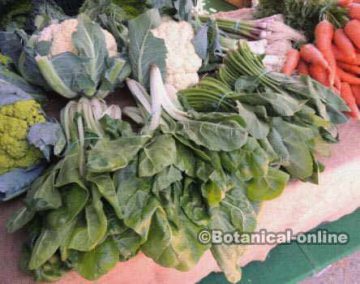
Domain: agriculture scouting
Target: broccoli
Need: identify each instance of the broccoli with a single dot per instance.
(15, 122)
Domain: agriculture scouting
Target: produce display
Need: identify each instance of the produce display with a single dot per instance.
(228, 107)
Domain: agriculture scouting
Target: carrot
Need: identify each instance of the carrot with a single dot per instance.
(356, 92)
(292, 61)
(344, 44)
(347, 77)
(348, 97)
(344, 3)
(303, 68)
(312, 55)
(337, 84)
(324, 33)
(352, 30)
(354, 69)
(340, 56)
(354, 11)
(319, 73)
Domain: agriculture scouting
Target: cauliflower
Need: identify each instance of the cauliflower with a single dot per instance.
(182, 62)
(75, 57)
(15, 121)
(60, 34)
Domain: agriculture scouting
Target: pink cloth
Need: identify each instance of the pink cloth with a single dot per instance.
(301, 207)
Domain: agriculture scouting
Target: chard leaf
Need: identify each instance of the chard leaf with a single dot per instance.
(281, 104)
(133, 192)
(185, 160)
(193, 204)
(106, 188)
(222, 136)
(172, 240)
(99, 261)
(144, 48)
(43, 195)
(74, 200)
(165, 179)
(235, 213)
(256, 127)
(86, 237)
(127, 241)
(155, 157)
(269, 186)
(47, 244)
(109, 156)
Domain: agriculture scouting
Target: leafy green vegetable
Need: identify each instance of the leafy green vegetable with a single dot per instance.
(289, 112)
(145, 49)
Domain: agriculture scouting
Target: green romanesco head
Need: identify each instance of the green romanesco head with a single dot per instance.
(15, 122)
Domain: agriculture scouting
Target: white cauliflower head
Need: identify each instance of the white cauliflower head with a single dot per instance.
(60, 34)
(182, 61)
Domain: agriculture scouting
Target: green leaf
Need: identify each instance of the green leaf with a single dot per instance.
(267, 187)
(166, 178)
(256, 127)
(222, 136)
(93, 264)
(235, 213)
(86, 237)
(156, 156)
(109, 156)
(47, 244)
(134, 195)
(19, 219)
(127, 241)
(74, 200)
(145, 49)
(89, 41)
(172, 239)
(106, 188)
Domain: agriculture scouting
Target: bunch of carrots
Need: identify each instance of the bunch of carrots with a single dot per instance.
(334, 58)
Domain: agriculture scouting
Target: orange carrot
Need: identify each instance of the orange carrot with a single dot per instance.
(303, 68)
(354, 69)
(356, 92)
(348, 97)
(352, 30)
(312, 55)
(354, 11)
(344, 44)
(337, 84)
(319, 73)
(292, 61)
(344, 3)
(324, 33)
(340, 56)
(347, 77)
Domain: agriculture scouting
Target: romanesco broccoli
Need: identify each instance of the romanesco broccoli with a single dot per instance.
(15, 121)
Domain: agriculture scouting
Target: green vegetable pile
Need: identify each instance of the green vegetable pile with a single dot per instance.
(292, 117)
(202, 159)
